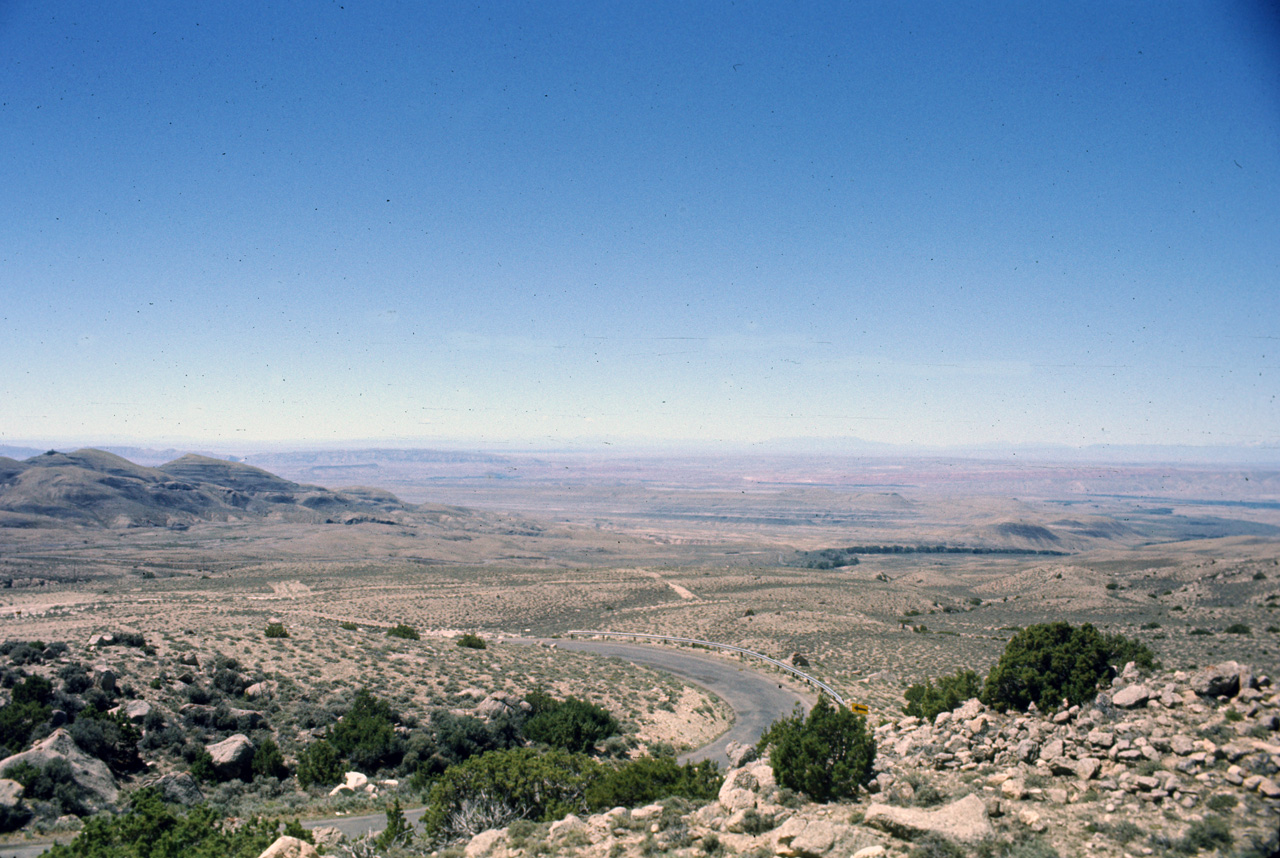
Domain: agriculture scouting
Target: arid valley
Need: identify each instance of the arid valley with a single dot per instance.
(873, 573)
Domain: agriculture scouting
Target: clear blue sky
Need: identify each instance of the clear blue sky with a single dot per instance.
(918, 223)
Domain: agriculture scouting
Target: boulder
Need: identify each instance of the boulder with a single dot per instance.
(1219, 680)
(970, 709)
(874, 851)
(289, 847)
(97, 785)
(742, 787)
(498, 704)
(327, 835)
(1131, 697)
(134, 710)
(964, 821)
(740, 755)
(1052, 750)
(1087, 768)
(484, 842)
(180, 788)
(569, 824)
(232, 757)
(104, 678)
(261, 690)
(10, 793)
(805, 838)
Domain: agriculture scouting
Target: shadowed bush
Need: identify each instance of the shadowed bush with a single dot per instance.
(648, 779)
(1051, 662)
(572, 725)
(500, 787)
(928, 700)
(828, 755)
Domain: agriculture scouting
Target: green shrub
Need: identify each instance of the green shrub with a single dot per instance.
(268, 761)
(1112, 585)
(53, 782)
(398, 831)
(1238, 629)
(27, 709)
(827, 756)
(1200, 632)
(349, 626)
(201, 767)
(500, 787)
(572, 725)
(152, 829)
(366, 735)
(1212, 832)
(1259, 576)
(1221, 801)
(1051, 662)
(276, 630)
(472, 641)
(927, 700)
(110, 737)
(400, 630)
(647, 779)
(319, 764)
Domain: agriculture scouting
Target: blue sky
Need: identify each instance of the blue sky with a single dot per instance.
(540, 224)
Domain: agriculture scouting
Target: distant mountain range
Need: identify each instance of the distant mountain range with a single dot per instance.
(96, 488)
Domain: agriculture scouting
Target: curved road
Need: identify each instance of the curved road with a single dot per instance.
(756, 699)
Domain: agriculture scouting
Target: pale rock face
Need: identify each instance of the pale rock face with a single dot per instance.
(1219, 680)
(570, 823)
(10, 793)
(1132, 697)
(289, 847)
(807, 838)
(232, 755)
(964, 821)
(484, 843)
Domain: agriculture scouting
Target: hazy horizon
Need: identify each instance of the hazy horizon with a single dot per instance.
(921, 224)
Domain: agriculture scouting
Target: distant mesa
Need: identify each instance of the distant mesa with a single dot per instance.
(95, 488)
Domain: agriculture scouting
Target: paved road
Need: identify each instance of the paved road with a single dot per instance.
(756, 699)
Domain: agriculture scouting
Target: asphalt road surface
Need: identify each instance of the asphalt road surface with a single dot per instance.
(756, 698)
(757, 701)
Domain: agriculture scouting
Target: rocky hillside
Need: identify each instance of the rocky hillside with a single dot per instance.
(1168, 764)
(99, 489)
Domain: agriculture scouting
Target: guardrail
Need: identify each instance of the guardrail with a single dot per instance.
(815, 682)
